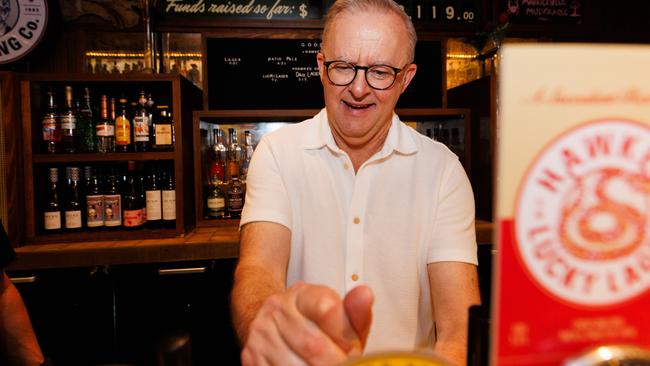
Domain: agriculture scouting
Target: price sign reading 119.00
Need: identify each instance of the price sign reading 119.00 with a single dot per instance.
(448, 11)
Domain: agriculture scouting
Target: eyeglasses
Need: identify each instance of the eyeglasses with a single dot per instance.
(379, 77)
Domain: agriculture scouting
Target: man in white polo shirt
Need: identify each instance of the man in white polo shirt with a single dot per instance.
(358, 232)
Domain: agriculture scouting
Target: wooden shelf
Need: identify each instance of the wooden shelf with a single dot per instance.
(96, 157)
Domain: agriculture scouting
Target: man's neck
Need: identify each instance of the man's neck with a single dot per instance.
(360, 152)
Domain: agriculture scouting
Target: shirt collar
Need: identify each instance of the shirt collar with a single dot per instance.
(398, 139)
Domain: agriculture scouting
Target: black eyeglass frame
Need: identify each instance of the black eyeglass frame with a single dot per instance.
(365, 69)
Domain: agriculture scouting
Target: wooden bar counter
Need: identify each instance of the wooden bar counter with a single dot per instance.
(218, 242)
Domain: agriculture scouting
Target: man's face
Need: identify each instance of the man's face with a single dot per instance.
(357, 112)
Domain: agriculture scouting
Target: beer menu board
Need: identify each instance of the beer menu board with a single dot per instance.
(283, 74)
(572, 202)
(263, 74)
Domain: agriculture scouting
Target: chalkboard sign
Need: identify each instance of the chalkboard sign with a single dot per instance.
(283, 74)
(269, 10)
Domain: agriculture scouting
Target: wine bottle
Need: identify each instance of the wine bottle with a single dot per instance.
(169, 198)
(73, 200)
(52, 211)
(94, 202)
(131, 204)
(153, 194)
(112, 202)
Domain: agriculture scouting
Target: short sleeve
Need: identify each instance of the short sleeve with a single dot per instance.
(266, 194)
(7, 253)
(454, 233)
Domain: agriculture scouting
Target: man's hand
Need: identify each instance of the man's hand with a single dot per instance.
(309, 325)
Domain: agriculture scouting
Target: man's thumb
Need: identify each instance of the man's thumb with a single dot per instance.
(358, 307)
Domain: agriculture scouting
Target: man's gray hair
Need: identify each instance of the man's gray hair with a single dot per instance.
(358, 6)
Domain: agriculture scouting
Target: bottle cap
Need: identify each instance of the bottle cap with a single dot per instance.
(54, 175)
(74, 174)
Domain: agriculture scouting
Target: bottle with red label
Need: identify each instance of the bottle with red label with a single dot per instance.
(133, 212)
(51, 125)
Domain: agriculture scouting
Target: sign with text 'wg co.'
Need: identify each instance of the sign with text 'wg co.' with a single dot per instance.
(573, 201)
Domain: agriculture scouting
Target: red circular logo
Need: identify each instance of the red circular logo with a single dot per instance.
(582, 217)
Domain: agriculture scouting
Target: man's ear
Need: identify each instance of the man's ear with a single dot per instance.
(409, 73)
(321, 67)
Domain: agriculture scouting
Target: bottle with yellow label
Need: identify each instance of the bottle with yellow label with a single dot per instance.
(122, 129)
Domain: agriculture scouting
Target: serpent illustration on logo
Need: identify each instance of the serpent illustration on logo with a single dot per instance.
(596, 224)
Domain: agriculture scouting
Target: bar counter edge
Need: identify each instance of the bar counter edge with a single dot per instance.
(203, 243)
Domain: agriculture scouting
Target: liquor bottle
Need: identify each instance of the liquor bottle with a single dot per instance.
(150, 105)
(51, 126)
(168, 198)
(153, 194)
(235, 154)
(248, 154)
(69, 123)
(141, 125)
(217, 173)
(52, 212)
(162, 129)
(94, 201)
(105, 129)
(132, 209)
(112, 110)
(235, 197)
(122, 128)
(73, 200)
(112, 202)
(215, 202)
(142, 197)
(86, 125)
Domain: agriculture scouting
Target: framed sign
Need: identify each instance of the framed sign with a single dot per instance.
(22, 26)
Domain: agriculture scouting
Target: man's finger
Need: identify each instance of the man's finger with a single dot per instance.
(358, 307)
(324, 307)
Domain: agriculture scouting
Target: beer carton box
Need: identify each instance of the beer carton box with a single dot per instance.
(572, 212)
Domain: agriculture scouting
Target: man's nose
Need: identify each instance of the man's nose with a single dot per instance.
(359, 86)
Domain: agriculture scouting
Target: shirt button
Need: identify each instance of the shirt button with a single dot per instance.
(356, 220)
(346, 166)
(355, 277)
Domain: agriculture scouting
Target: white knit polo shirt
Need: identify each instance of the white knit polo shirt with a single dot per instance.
(408, 205)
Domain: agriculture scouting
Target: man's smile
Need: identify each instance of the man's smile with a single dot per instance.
(358, 105)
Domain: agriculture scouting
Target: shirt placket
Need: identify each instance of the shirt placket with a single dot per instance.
(355, 228)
